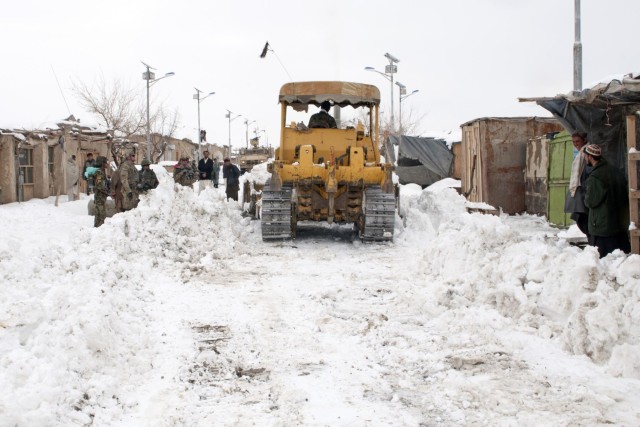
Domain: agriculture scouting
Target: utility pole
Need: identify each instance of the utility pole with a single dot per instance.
(577, 51)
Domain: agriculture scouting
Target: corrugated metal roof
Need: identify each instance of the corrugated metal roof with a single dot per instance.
(432, 153)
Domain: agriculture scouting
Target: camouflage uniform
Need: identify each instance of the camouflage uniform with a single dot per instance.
(322, 120)
(147, 180)
(116, 190)
(101, 191)
(129, 182)
(185, 174)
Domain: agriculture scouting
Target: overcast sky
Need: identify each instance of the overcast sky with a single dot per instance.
(467, 58)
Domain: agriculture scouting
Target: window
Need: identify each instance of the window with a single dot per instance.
(26, 164)
(50, 159)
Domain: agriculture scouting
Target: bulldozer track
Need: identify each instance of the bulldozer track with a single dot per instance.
(277, 222)
(379, 215)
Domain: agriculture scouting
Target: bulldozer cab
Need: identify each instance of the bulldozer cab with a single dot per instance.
(359, 105)
(329, 174)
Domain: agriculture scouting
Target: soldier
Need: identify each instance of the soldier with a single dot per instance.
(129, 182)
(323, 119)
(101, 190)
(147, 179)
(184, 173)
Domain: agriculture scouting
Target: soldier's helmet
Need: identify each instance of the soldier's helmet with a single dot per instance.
(145, 162)
(101, 160)
(184, 158)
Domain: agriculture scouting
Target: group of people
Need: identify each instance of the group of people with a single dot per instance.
(597, 198)
(125, 185)
(208, 173)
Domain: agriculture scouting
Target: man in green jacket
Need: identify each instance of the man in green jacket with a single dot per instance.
(608, 202)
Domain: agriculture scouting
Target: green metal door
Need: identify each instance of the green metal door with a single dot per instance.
(560, 159)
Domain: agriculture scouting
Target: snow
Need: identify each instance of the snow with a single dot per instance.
(176, 313)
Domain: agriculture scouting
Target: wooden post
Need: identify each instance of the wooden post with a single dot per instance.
(633, 154)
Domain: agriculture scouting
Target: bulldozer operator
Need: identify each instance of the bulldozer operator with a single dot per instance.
(323, 119)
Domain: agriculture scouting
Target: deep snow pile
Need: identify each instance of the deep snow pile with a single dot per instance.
(557, 290)
(73, 315)
(414, 330)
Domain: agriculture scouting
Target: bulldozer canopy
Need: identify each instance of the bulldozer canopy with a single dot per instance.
(341, 93)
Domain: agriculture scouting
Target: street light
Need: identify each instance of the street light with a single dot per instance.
(150, 77)
(247, 123)
(389, 71)
(228, 116)
(403, 95)
(197, 97)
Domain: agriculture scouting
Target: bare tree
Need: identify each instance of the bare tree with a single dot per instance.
(163, 125)
(116, 106)
(121, 110)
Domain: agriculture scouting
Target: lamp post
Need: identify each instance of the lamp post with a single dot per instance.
(228, 116)
(247, 123)
(198, 98)
(389, 71)
(150, 77)
(402, 96)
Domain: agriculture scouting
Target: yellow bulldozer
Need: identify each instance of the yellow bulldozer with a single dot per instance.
(329, 174)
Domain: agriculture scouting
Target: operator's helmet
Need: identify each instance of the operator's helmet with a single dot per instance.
(145, 162)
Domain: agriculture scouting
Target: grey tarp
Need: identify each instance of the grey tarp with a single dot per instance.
(422, 161)
(600, 111)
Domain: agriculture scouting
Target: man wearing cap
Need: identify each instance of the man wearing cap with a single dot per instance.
(90, 162)
(232, 174)
(580, 169)
(323, 119)
(608, 203)
(183, 173)
(101, 190)
(129, 182)
(147, 179)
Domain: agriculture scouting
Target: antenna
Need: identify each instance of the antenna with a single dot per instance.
(60, 87)
(266, 49)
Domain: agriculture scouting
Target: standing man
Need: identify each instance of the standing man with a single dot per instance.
(580, 169)
(323, 119)
(87, 163)
(183, 173)
(608, 203)
(205, 168)
(215, 173)
(71, 175)
(101, 190)
(147, 179)
(232, 174)
(129, 182)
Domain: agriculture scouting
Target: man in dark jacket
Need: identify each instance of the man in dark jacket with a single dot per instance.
(323, 119)
(232, 174)
(87, 163)
(205, 168)
(608, 203)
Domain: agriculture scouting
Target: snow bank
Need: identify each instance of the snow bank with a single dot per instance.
(76, 319)
(559, 291)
